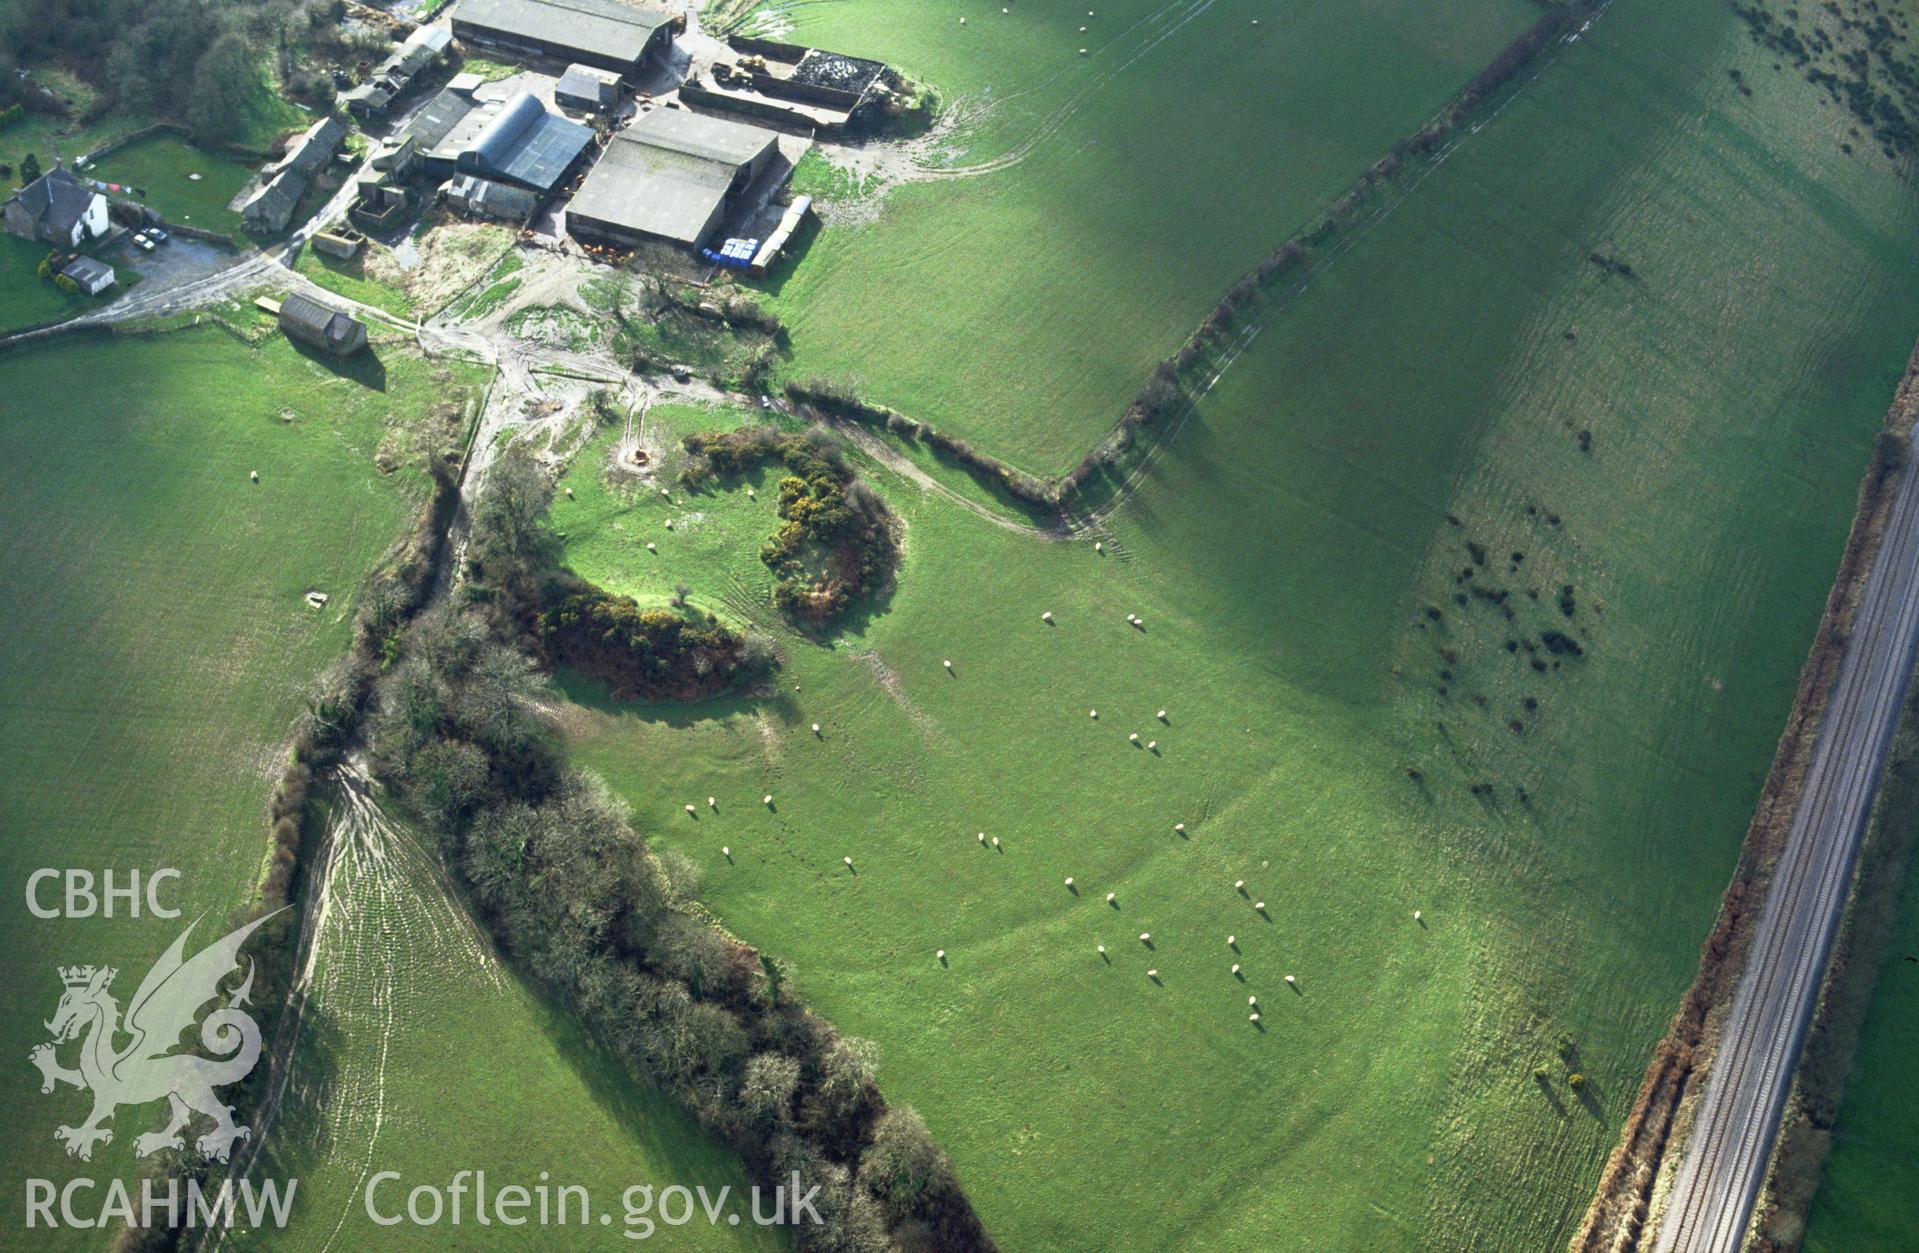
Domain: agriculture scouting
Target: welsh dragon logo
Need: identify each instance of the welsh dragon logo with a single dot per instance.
(148, 1068)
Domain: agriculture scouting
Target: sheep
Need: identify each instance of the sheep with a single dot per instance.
(1180, 827)
(767, 799)
(847, 860)
(1260, 906)
(726, 850)
(1152, 746)
(1231, 940)
(1101, 948)
(962, 21)
(1133, 738)
(650, 547)
(1098, 548)
(1131, 618)
(1069, 881)
(712, 802)
(1161, 715)
(816, 728)
(1235, 967)
(1415, 915)
(1252, 1000)
(691, 810)
(947, 664)
(254, 475)
(1152, 974)
(1093, 714)
(939, 954)
(982, 837)
(751, 494)
(1082, 52)
(1112, 897)
(1290, 979)
(1253, 1017)
(1146, 937)
(1047, 616)
(1239, 885)
(996, 841)
(669, 524)
(569, 493)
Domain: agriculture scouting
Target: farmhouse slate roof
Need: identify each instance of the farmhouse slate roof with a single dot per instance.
(56, 200)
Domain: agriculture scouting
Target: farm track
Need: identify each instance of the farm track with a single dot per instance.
(1724, 1160)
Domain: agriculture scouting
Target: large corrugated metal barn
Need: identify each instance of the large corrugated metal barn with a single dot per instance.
(602, 33)
(671, 175)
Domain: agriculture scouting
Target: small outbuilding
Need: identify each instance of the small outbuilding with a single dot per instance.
(587, 90)
(320, 326)
(484, 198)
(93, 277)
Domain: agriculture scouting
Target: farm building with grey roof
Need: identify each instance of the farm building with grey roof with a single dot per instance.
(321, 326)
(603, 33)
(672, 175)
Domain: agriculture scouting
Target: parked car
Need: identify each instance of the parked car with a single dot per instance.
(158, 234)
(145, 243)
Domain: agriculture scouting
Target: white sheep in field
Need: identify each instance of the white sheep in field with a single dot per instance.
(751, 494)
(651, 547)
(1290, 979)
(1093, 714)
(1069, 881)
(1231, 940)
(939, 954)
(1161, 715)
(767, 799)
(1152, 974)
(1253, 1017)
(1235, 967)
(726, 850)
(254, 475)
(996, 841)
(947, 664)
(1152, 746)
(1047, 616)
(1101, 948)
(1415, 915)
(1145, 937)
(691, 810)
(847, 860)
(816, 728)
(712, 802)
(1239, 885)
(1111, 897)
(1133, 738)
(1260, 906)
(1131, 618)
(1098, 548)
(1180, 827)
(982, 837)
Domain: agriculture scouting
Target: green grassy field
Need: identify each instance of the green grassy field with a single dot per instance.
(1023, 307)
(157, 649)
(157, 644)
(163, 166)
(423, 1055)
(1461, 387)
(349, 278)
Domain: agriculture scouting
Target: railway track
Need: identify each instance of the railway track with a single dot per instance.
(1724, 1160)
